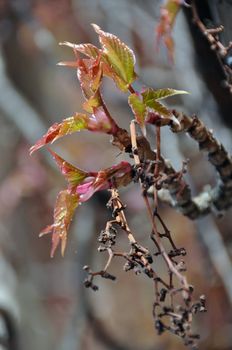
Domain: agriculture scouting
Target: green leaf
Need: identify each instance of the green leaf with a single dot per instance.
(118, 56)
(151, 97)
(108, 71)
(159, 108)
(160, 94)
(138, 108)
(65, 206)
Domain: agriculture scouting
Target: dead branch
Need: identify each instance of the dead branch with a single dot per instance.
(212, 36)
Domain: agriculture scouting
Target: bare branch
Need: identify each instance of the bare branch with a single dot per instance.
(219, 197)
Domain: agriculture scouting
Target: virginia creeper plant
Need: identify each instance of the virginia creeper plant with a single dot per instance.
(173, 305)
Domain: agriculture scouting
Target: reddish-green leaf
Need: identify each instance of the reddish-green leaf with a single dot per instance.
(82, 185)
(101, 122)
(57, 130)
(85, 184)
(92, 103)
(89, 73)
(65, 206)
(138, 107)
(98, 122)
(118, 56)
(117, 175)
(73, 175)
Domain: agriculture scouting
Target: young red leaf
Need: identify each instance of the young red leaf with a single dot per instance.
(86, 49)
(73, 175)
(164, 28)
(65, 206)
(89, 74)
(117, 175)
(118, 57)
(101, 122)
(71, 64)
(82, 185)
(85, 184)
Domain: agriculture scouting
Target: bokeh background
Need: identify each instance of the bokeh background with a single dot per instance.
(43, 303)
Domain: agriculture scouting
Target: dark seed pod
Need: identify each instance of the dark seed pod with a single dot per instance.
(108, 276)
(87, 283)
(163, 293)
(94, 287)
(159, 326)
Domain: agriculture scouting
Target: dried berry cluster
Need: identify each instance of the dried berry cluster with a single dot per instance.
(173, 307)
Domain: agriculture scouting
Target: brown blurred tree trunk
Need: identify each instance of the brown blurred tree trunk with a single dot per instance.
(214, 13)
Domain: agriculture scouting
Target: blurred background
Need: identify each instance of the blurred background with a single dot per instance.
(43, 303)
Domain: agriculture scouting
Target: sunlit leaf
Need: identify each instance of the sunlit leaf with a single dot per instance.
(159, 94)
(109, 72)
(65, 206)
(118, 55)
